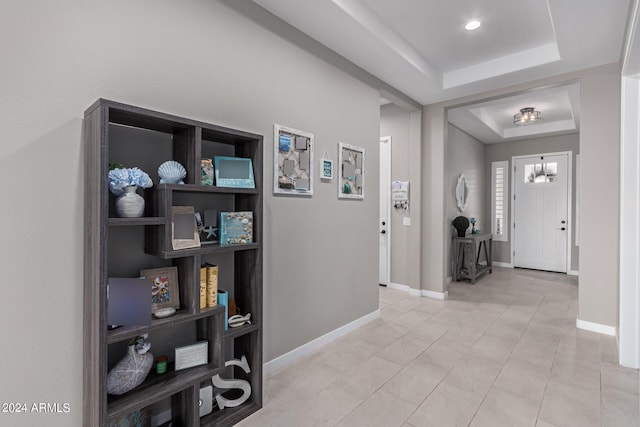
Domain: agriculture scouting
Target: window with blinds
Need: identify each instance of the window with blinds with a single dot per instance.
(499, 200)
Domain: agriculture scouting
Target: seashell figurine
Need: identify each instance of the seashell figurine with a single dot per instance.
(171, 172)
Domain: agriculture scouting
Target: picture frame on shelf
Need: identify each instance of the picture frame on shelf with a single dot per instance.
(184, 231)
(234, 172)
(293, 166)
(351, 161)
(165, 289)
(236, 228)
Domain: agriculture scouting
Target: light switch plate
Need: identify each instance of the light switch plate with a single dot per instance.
(406, 221)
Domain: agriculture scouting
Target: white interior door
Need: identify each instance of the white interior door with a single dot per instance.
(385, 207)
(541, 213)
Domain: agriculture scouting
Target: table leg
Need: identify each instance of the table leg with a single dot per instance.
(473, 264)
(487, 256)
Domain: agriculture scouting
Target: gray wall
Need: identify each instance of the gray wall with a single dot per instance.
(464, 155)
(199, 59)
(600, 196)
(505, 151)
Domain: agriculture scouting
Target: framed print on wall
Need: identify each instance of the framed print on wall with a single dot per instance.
(326, 169)
(292, 161)
(351, 171)
(165, 292)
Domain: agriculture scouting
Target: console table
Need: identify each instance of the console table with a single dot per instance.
(471, 269)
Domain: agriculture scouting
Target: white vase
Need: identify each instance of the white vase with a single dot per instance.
(130, 204)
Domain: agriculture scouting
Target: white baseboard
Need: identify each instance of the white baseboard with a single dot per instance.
(573, 273)
(405, 288)
(311, 346)
(398, 286)
(419, 292)
(596, 327)
(435, 295)
(414, 292)
(502, 264)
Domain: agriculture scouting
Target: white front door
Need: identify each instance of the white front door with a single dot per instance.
(541, 213)
(385, 206)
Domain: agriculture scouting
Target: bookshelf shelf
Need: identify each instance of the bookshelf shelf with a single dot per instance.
(120, 222)
(205, 250)
(157, 387)
(240, 331)
(130, 332)
(122, 247)
(189, 188)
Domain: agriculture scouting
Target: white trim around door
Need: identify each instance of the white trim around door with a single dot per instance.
(384, 221)
(569, 225)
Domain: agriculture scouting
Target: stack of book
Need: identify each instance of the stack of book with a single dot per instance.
(208, 286)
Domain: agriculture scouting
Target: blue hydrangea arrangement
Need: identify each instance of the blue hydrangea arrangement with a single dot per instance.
(125, 177)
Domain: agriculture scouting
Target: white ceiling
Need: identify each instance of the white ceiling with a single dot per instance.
(492, 121)
(421, 48)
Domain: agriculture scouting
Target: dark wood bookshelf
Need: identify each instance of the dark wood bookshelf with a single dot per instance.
(114, 250)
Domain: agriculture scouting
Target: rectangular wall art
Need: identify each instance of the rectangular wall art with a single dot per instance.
(351, 170)
(292, 161)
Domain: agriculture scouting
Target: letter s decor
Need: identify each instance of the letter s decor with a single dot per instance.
(229, 384)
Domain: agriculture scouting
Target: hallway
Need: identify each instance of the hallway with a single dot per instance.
(503, 352)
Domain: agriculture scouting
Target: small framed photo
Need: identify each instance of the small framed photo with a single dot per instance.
(326, 169)
(234, 172)
(184, 231)
(165, 291)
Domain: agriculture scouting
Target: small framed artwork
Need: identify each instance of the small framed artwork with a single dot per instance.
(236, 228)
(165, 291)
(234, 172)
(351, 163)
(184, 231)
(292, 161)
(326, 169)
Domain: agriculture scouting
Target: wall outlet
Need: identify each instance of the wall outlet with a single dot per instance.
(406, 221)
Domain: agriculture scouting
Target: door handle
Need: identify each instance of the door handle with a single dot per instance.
(383, 232)
(561, 228)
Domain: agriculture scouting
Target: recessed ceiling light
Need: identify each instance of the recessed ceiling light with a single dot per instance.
(472, 25)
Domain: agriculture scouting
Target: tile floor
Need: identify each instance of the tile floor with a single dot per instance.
(502, 352)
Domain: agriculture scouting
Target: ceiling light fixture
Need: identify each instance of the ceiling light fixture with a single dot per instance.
(472, 25)
(527, 116)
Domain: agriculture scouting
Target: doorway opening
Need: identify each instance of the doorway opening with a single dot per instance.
(384, 270)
